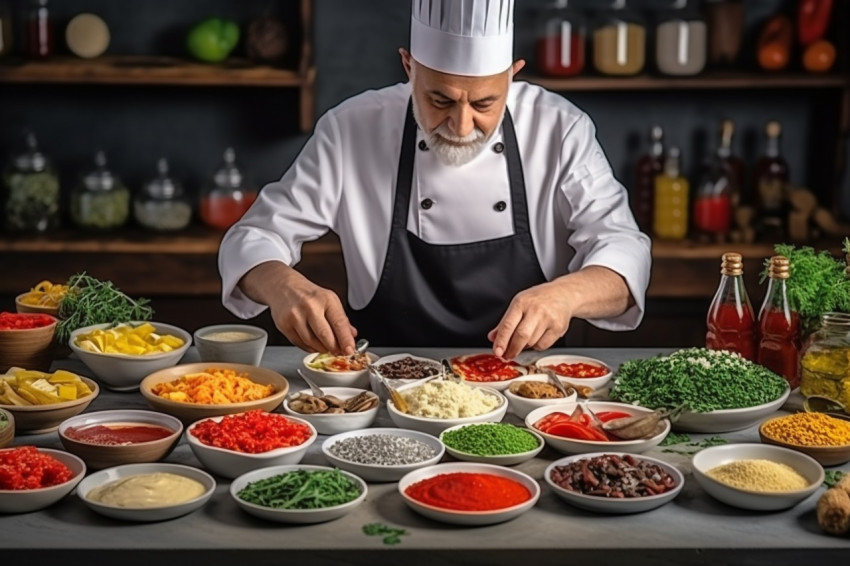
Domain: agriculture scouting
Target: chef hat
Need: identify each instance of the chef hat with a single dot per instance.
(463, 37)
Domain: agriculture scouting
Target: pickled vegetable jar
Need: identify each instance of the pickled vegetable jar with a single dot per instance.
(162, 205)
(31, 191)
(100, 201)
(825, 365)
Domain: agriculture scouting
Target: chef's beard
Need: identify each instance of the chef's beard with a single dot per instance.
(451, 149)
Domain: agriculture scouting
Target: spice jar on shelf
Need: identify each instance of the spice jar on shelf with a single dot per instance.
(100, 201)
(825, 364)
(560, 43)
(162, 205)
(226, 198)
(680, 41)
(619, 42)
(31, 193)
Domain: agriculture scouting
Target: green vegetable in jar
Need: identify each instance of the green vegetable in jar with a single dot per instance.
(32, 201)
(101, 210)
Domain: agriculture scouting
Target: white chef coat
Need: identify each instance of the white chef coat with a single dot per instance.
(344, 181)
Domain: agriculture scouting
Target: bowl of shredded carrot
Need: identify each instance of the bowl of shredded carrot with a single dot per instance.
(201, 390)
(43, 298)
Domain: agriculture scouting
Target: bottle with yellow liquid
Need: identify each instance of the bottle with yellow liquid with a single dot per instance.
(670, 220)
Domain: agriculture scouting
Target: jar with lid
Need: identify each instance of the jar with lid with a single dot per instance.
(825, 365)
(162, 205)
(560, 43)
(31, 191)
(228, 196)
(619, 42)
(100, 201)
(680, 41)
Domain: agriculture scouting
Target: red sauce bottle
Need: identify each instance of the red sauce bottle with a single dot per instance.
(779, 325)
(731, 321)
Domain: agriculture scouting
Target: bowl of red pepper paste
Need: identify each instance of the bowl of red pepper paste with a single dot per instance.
(581, 370)
(105, 439)
(35, 478)
(26, 340)
(470, 494)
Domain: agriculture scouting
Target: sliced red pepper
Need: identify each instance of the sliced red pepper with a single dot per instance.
(606, 416)
(812, 20)
(551, 419)
(577, 432)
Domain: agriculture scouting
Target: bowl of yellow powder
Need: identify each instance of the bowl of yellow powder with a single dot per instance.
(757, 477)
(824, 438)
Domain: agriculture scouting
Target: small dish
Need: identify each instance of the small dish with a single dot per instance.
(488, 370)
(552, 362)
(232, 343)
(27, 500)
(825, 455)
(497, 460)
(417, 365)
(334, 423)
(728, 420)
(7, 432)
(715, 456)
(325, 378)
(148, 514)
(26, 308)
(521, 406)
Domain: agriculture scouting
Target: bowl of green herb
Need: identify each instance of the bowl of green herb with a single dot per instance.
(501, 444)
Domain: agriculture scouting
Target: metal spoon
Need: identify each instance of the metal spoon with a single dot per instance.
(317, 391)
(360, 346)
(553, 379)
(449, 372)
(825, 405)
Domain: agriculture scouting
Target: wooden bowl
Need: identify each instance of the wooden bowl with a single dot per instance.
(25, 308)
(191, 412)
(825, 455)
(36, 419)
(7, 433)
(31, 348)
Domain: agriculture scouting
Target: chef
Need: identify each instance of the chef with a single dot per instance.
(471, 208)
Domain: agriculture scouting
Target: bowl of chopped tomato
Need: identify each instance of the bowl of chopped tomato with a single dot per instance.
(35, 478)
(26, 340)
(569, 428)
(580, 370)
(488, 370)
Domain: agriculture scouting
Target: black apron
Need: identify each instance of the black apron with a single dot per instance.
(448, 295)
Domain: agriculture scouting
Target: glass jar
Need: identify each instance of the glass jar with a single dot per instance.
(39, 33)
(228, 196)
(825, 365)
(31, 191)
(560, 43)
(680, 42)
(100, 201)
(161, 205)
(619, 42)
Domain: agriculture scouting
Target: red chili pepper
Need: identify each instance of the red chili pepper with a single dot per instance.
(551, 419)
(812, 20)
(577, 431)
(606, 416)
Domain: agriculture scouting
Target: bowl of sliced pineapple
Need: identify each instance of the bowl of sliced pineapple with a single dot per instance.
(39, 401)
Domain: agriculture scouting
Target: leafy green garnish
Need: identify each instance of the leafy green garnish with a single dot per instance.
(674, 438)
(391, 535)
(694, 447)
(92, 301)
(832, 477)
(302, 489)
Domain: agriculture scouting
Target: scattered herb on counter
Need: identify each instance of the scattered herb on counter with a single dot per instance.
(91, 301)
(692, 448)
(832, 477)
(391, 535)
(675, 438)
(302, 489)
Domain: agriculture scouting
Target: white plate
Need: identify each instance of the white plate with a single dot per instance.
(611, 504)
(592, 382)
(469, 518)
(728, 420)
(501, 460)
(302, 516)
(151, 513)
(378, 473)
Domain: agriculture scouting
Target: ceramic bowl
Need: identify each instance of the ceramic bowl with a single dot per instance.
(334, 423)
(230, 463)
(97, 456)
(710, 458)
(31, 348)
(825, 455)
(25, 308)
(124, 372)
(299, 516)
(574, 446)
(375, 383)
(499, 459)
(37, 419)
(145, 514)
(521, 406)
(27, 500)
(382, 472)
(190, 412)
(728, 420)
(592, 382)
(234, 343)
(7, 433)
(435, 426)
(469, 518)
(323, 378)
(615, 505)
(497, 384)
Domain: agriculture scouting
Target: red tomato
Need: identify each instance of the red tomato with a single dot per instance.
(551, 419)
(577, 431)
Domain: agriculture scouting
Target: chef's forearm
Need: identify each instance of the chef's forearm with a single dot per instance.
(596, 292)
(264, 282)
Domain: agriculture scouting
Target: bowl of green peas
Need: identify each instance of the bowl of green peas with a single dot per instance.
(501, 444)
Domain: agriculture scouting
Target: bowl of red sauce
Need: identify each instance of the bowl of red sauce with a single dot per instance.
(580, 370)
(488, 370)
(471, 494)
(105, 439)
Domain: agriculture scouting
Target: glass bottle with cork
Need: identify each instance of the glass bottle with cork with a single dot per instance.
(100, 200)
(681, 42)
(560, 43)
(619, 42)
(162, 205)
(31, 191)
(731, 321)
(779, 325)
(648, 167)
(771, 187)
(670, 210)
(228, 196)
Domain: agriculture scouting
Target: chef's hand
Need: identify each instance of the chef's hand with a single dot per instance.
(310, 316)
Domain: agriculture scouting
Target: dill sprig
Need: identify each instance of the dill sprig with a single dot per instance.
(92, 301)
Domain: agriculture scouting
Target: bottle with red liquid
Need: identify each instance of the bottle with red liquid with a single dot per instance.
(39, 31)
(648, 167)
(731, 320)
(717, 190)
(561, 42)
(228, 197)
(779, 325)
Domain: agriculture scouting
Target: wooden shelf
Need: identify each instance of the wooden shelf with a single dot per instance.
(706, 81)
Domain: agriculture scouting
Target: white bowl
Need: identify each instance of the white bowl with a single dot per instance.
(358, 379)
(248, 350)
(378, 388)
(301, 516)
(613, 504)
(728, 420)
(469, 518)
(27, 500)
(230, 463)
(710, 458)
(494, 384)
(521, 406)
(149, 514)
(574, 446)
(498, 460)
(592, 382)
(335, 423)
(124, 372)
(435, 426)
(378, 472)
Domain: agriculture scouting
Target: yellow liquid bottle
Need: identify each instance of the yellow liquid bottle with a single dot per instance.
(670, 220)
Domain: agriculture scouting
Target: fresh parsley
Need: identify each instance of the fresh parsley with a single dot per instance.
(674, 438)
(832, 477)
(693, 447)
(390, 535)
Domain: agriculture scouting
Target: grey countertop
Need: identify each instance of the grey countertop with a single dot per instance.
(692, 529)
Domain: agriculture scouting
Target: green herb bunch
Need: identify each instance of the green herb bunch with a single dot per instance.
(92, 301)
